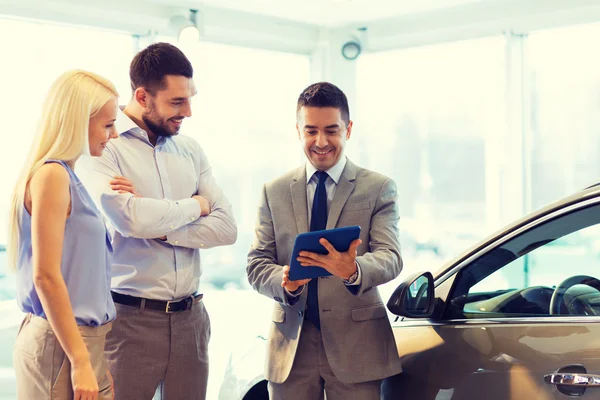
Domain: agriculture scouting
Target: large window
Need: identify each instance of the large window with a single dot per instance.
(565, 117)
(38, 54)
(244, 117)
(423, 116)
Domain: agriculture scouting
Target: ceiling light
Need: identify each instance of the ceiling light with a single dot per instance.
(186, 28)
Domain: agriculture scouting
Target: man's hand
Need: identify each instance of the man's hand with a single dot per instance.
(204, 205)
(123, 185)
(342, 265)
(290, 285)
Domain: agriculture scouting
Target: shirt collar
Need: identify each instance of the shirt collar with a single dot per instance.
(334, 172)
(126, 124)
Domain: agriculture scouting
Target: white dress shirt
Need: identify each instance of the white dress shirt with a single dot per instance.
(166, 176)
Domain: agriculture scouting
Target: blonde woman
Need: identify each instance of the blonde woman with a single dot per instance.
(59, 247)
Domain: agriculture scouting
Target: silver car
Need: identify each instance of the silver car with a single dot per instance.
(517, 316)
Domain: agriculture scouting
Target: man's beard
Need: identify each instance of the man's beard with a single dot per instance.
(158, 129)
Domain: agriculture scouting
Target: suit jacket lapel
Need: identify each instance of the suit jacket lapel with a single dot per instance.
(298, 188)
(342, 193)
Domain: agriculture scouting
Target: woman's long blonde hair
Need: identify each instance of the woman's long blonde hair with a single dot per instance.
(62, 134)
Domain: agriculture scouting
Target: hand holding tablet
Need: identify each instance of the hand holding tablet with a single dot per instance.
(339, 238)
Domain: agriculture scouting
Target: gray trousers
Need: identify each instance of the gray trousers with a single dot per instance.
(152, 352)
(311, 376)
(42, 368)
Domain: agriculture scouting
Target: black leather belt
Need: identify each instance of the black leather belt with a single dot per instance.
(160, 305)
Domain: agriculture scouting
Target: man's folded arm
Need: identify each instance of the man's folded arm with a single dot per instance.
(132, 216)
(218, 228)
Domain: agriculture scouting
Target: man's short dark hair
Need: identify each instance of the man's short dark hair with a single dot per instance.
(150, 66)
(325, 94)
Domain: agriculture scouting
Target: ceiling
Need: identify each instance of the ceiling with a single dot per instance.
(295, 26)
(327, 13)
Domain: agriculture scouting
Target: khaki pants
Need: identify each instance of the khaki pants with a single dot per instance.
(42, 369)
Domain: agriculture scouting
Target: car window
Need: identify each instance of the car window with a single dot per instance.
(553, 269)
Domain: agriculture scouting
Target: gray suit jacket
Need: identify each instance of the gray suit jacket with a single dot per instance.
(356, 332)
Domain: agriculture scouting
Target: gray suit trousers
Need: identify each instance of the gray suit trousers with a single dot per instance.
(311, 375)
(152, 352)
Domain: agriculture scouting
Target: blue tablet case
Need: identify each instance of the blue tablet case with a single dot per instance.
(340, 238)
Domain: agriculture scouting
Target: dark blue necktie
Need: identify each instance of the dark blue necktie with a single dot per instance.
(318, 222)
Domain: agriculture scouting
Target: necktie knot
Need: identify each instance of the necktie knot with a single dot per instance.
(322, 176)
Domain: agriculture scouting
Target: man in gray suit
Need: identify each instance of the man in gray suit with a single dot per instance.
(329, 334)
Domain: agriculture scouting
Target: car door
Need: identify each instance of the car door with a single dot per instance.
(514, 320)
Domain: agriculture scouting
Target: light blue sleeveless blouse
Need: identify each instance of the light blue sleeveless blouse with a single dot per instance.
(86, 260)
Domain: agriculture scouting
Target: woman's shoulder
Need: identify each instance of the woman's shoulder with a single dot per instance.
(50, 177)
(52, 171)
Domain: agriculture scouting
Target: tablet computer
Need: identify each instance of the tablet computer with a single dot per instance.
(340, 238)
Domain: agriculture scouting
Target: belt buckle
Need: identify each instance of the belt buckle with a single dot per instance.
(168, 307)
(189, 301)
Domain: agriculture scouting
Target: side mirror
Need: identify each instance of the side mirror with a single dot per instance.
(414, 297)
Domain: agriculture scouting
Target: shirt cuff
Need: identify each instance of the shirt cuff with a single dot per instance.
(358, 278)
(178, 237)
(191, 209)
(295, 293)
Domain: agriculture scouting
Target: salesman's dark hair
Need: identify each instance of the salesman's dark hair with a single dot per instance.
(324, 94)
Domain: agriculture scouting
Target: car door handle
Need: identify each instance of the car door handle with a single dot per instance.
(570, 379)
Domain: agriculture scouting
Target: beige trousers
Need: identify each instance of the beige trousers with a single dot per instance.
(42, 369)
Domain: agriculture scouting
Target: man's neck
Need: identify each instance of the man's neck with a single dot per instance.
(134, 112)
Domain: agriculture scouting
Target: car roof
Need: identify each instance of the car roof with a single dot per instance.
(593, 186)
(590, 192)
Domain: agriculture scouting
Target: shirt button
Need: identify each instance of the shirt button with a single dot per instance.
(176, 241)
(192, 219)
(171, 226)
(300, 313)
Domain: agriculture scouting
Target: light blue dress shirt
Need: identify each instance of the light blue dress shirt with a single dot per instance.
(166, 176)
